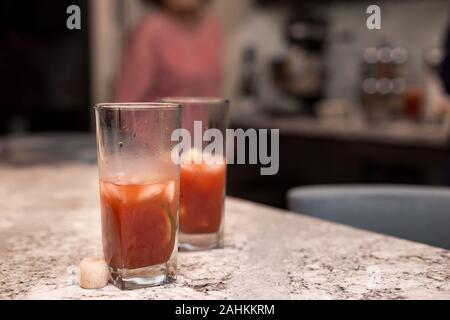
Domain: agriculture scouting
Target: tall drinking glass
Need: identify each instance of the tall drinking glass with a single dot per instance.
(203, 172)
(139, 191)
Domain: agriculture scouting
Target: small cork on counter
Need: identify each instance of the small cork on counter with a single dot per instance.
(94, 273)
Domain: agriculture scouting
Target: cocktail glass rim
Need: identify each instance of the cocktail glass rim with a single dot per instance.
(137, 105)
(195, 100)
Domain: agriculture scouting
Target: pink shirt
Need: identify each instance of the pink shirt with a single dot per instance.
(164, 57)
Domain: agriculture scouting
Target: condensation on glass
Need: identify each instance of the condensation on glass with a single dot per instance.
(139, 191)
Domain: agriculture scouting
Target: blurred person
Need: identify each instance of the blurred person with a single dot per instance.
(445, 66)
(176, 51)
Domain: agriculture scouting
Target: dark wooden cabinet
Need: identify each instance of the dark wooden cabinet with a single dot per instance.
(45, 67)
(309, 160)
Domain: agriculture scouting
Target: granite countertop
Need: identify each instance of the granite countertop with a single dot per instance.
(49, 221)
(402, 133)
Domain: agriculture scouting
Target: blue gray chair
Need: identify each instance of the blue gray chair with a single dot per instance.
(420, 214)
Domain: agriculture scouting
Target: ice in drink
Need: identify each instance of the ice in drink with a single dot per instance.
(139, 223)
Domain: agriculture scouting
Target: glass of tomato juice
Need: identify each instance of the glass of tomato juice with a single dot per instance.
(139, 191)
(202, 172)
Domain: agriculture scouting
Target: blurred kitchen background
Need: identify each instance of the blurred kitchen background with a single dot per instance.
(353, 105)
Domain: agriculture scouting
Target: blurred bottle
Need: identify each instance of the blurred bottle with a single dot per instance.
(249, 96)
(413, 102)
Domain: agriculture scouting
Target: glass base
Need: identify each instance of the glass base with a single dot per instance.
(200, 242)
(129, 279)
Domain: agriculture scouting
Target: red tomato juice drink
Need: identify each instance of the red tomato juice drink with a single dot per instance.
(139, 224)
(202, 193)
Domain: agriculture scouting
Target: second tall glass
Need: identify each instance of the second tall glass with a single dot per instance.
(203, 173)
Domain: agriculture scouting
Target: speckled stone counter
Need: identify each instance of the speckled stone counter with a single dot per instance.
(49, 220)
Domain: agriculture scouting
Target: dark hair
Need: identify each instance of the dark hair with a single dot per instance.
(160, 3)
(157, 3)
